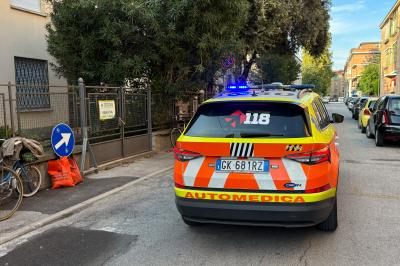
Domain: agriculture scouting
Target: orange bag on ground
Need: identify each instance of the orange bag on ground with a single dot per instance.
(76, 174)
(60, 173)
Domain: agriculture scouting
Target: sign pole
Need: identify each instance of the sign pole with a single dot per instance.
(82, 97)
(85, 138)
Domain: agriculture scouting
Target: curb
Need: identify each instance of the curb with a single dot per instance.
(71, 210)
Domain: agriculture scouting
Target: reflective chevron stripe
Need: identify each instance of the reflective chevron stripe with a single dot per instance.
(189, 176)
(242, 149)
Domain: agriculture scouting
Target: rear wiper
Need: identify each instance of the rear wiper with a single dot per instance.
(259, 135)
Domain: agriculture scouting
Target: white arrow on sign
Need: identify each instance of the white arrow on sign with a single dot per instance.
(64, 139)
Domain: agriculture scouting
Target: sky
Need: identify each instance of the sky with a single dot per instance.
(353, 22)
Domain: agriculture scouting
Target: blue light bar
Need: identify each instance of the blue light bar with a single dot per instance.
(237, 87)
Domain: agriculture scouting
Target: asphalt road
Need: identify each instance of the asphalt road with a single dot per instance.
(141, 226)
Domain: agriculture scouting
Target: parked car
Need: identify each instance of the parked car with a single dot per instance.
(333, 99)
(340, 99)
(365, 113)
(325, 99)
(351, 102)
(357, 105)
(384, 123)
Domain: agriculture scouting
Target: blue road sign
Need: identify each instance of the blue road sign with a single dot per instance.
(62, 140)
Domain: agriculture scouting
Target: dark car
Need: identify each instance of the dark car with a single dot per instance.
(384, 122)
(357, 107)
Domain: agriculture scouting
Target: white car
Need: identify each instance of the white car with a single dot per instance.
(325, 99)
(341, 99)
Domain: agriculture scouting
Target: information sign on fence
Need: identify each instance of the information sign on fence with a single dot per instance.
(106, 109)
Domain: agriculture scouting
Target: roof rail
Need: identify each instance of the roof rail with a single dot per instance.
(277, 86)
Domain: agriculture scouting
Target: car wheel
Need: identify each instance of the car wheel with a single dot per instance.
(191, 223)
(331, 223)
(368, 132)
(378, 139)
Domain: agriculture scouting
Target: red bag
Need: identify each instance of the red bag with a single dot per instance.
(60, 173)
(76, 174)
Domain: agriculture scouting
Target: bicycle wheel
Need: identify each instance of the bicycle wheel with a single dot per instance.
(174, 135)
(10, 198)
(31, 179)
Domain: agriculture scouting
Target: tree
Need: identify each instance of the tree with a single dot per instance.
(275, 67)
(318, 70)
(176, 45)
(191, 39)
(369, 81)
(173, 44)
(100, 40)
(284, 25)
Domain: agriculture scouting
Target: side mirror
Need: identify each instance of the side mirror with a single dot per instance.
(337, 118)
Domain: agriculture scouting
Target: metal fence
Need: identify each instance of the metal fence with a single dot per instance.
(137, 113)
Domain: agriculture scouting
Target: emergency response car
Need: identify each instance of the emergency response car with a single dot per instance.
(259, 156)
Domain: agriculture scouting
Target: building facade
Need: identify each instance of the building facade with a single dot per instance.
(26, 78)
(337, 85)
(23, 52)
(390, 52)
(358, 59)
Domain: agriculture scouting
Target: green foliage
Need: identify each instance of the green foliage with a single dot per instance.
(318, 71)
(5, 132)
(285, 26)
(176, 45)
(369, 81)
(277, 67)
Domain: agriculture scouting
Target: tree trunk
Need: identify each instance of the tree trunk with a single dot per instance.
(247, 67)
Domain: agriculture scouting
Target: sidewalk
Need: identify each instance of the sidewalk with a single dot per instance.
(49, 202)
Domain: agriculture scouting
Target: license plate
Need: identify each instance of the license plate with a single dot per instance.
(248, 166)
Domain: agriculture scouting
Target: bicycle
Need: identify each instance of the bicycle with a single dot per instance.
(30, 176)
(176, 132)
(11, 192)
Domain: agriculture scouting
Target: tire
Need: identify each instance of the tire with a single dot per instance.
(191, 223)
(368, 132)
(31, 180)
(10, 198)
(379, 141)
(331, 223)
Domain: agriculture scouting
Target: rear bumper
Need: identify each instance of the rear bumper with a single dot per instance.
(390, 131)
(255, 213)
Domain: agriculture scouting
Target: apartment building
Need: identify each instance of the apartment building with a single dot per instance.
(359, 57)
(390, 51)
(337, 84)
(25, 63)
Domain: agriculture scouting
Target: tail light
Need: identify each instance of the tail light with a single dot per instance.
(313, 157)
(183, 155)
(318, 189)
(385, 119)
(367, 112)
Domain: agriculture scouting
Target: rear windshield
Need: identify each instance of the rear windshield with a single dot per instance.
(371, 104)
(249, 120)
(394, 105)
